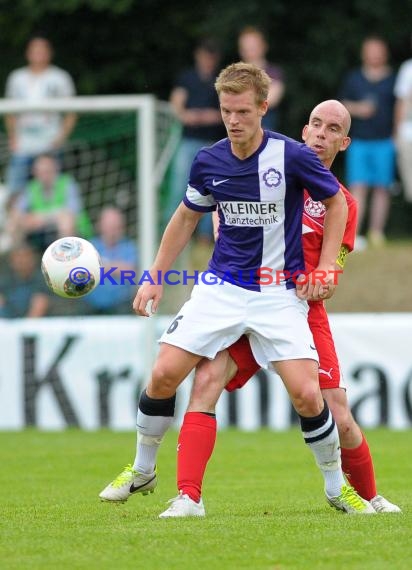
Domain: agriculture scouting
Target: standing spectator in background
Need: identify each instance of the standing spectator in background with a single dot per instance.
(34, 133)
(367, 93)
(253, 47)
(23, 292)
(196, 105)
(403, 126)
(116, 250)
(50, 206)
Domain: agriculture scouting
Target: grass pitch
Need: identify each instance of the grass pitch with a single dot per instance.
(263, 497)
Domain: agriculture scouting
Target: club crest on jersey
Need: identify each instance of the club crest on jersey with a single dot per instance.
(314, 209)
(272, 178)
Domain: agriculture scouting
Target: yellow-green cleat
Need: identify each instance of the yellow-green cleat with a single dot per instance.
(127, 483)
(350, 502)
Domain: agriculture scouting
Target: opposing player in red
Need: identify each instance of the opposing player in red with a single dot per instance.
(327, 134)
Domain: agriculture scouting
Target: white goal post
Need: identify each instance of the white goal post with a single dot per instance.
(152, 159)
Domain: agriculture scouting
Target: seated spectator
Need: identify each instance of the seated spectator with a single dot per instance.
(50, 206)
(116, 250)
(23, 291)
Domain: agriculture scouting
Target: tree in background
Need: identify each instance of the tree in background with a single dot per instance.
(137, 46)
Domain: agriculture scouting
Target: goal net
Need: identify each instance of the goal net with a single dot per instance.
(119, 153)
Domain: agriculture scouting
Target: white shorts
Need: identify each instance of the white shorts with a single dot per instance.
(217, 315)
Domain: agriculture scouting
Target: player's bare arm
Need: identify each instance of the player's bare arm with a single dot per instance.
(329, 289)
(176, 236)
(321, 281)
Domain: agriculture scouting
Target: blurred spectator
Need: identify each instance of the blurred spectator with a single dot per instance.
(34, 133)
(5, 238)
(367, 92)
(50, 206)
(253, 47)
(196, 105)
(116, 250)
(403, 126)
(23, 292)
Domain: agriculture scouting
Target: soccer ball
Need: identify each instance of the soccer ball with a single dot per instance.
(71, 267)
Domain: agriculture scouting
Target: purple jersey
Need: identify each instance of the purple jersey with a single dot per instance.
(260, 202)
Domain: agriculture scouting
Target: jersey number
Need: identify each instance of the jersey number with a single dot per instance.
(174, 324)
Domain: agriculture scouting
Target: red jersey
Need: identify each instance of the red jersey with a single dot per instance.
(312, 227)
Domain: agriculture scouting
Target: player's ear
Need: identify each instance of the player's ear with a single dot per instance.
(305, 133)
(345, 143)
(263, 108)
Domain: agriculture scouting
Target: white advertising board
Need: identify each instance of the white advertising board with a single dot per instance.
(89, 372)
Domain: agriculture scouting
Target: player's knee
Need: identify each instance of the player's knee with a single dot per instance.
(207, 386)
(205, 377)
(164, 381)
(307, 400)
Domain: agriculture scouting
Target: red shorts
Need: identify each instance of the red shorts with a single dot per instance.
(246, 364)
(329, 371)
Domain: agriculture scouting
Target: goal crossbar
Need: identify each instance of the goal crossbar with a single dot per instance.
(85, 103)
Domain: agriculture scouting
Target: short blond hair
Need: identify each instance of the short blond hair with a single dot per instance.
(240, 77)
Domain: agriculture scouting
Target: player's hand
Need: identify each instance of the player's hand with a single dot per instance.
(326, 291)
(302, 287)
(147, 294)
(322, 283)
(308, 287)
(318, 285)
(305, 288)
(331, 282)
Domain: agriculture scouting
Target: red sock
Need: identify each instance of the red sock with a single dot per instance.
(195, 446)
(357, 465)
